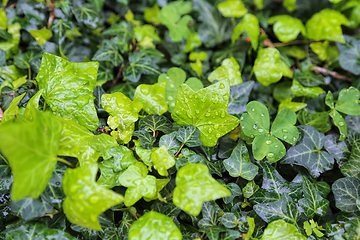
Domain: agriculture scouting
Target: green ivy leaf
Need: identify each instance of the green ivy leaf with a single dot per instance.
(307, 152)
(123, 114)
(151, 15)
(156, 123)
(139, 184)
(281, 230)
(239, 163)
(313, 203)
(235, 192)
(299, 90)
(326, 25)
(162, 160)
(41, 36)
(174, 78)
(205, 109)
(349, 51)
(338, 149)
(32, 162)
(239, 97)
(269, 68)
(319, 120)
(85, 199)
(320, 48)
(229, 69)
(189, 136)
(11, 46)
(109, 51)
(68, 88)
(232, 8)
(152, 97)
(308, 78)
(346, 192)
(88, 15)
(284, 209)
(154, 225)
(13, 109)
(75, 141)
(295, 106)
(32, 104)
(28, 208)
(170, 142)
(229, 220)
(287, 28)
(293, 51)
(140, 63)
(348, 101)
(194, 185)
(339, 122)
(290, 5)
(250, 189)
(193, 41)
(147, 140)
(249, 24)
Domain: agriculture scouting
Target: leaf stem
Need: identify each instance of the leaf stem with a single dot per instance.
(65, 161)
(44, 108)
(177, 153)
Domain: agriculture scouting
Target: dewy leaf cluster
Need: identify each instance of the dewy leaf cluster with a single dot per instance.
(189, 119)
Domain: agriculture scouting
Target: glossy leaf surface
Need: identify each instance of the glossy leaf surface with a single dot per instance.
(162, 160)
(282, 230)
(229, 69)
(249, 24)
(346, 192)
(287, 28)
(152, 97)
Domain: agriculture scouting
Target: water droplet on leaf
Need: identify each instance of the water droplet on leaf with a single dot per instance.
(222, 86)
(268, 142)
(270, 155)
(284, 130)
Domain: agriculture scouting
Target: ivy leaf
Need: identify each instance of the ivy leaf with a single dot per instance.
(235, 192)
(32, 162)
(249, 24)
(205, 109)
(313, 203)
(348, 101)
(139, 184)
(239, 97)
(68, 88)
(174, 78)
(295, 106)
(75, 141)
(189, 135)
(287, 28)
(36, 230)
(88, 15)
(308, 79)
(151, 15)
(269, 147)
(140, 63)
(123, 114)
(239, 163)
(307, 152)
(281, 230)
(349, 51)
(28, 208)
(109, 51)
(346, 192)
(232, 8)
(326, 25)
(147, 140)
(152, 97)
(85, 199)
(229, 69)
(269, 68)
(338, 149)
(229, 220)
(170, 142)
(193, 41)
(250, 188)
(350, 167)
(12, 110)
(41, 36)
(299, 91)
(162, 160)
(194, 185)
(156, 123)
(319, 120)
(284, 209)
(154, 225)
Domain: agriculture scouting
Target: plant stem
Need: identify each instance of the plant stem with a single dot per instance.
(182, 145)
(65, 161)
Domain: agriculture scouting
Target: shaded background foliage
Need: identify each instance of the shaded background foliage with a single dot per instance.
(298, 55)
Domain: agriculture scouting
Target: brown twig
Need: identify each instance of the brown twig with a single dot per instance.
(332, 73)
(267, 42)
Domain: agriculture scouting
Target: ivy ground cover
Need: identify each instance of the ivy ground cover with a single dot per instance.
(159, 119)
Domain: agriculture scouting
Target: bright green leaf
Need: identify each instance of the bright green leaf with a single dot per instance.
(348, 101)
(295, 106)
(152, 97)
(205, 109)
(162, 160)
(13, 109)
(269, 147)
(151, 14)
(41, 36)
(3, 19)
(287, 28)
(68, 88)
(193, 41)
(32, 162)
(249, 24)
(85, 199)
(229, 69)
(290, 5)
(281, 230)
(250, 188)
(283, 126)
(194, 185)
(320, 48)
(319, 120)
(269, 68)
(232, 8)
(299, 90)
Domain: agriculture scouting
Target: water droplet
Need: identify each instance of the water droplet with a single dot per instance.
(172, 85)
(285, 137)
(216, 126)
(57, 183)
(262, 115)
(209, 110)
(188, 114)
(226, 98)
(215, 101)
(241, 118)
(170, 98)
(108, 98)
(81, 196)
(255, 126)
(268, 142)
(197, 111)
(203, 100)
(222, 86)
(190, 96)
(284, 130)
(252, 136)
(276, 146)
(295, 139)
(341, 124)
(222, 115)
(145, 91)
(261, 130)
(196, 96)
(210, 130)
(253, 109)
(207, 114)
(94, 199)
(270, 155)
(186, 101)
(217, 135)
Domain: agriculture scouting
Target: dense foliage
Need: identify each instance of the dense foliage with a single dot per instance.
(159, 119)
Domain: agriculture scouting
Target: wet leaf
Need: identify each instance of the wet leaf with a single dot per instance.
(162, 160)
(249, 24)
(32, 162)
(281, 230)
(269, 68)
(152, 97)
(85, 199)
(154, 225)
(189, 135)
(68, 88)
(299, 91)
(156, 123)
(319, 120)
(205, 109)
(232, 8)
(287, 28)
(194, 185)
(239, 163)
(346, 192)
(229, 69)
(41, 36)
(348, 101)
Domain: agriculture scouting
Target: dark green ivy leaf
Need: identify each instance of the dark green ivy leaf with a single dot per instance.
(170, 142)
(346, 192)
(28, 208)
(146, 139)
(88, 15)
(349, 54)
(239, 97)
(109, 52)
(140, 63)
(189, 135)
(155, 123)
